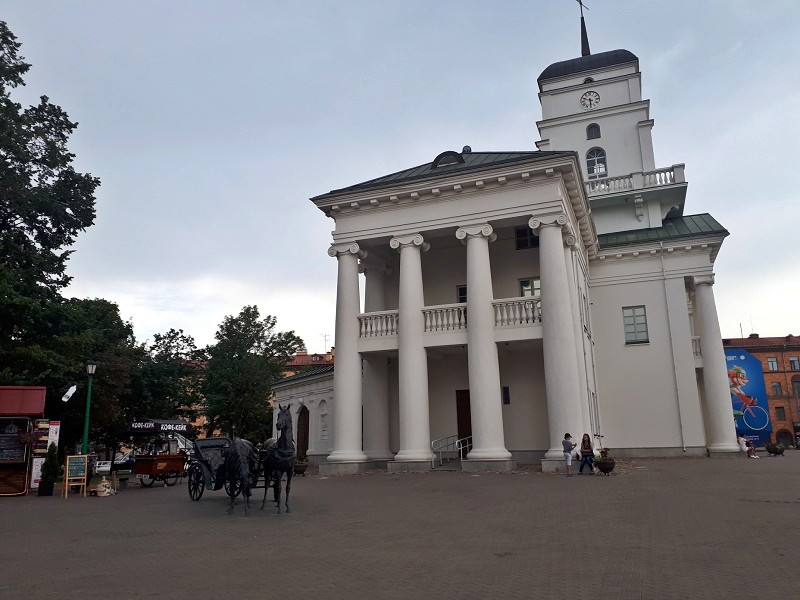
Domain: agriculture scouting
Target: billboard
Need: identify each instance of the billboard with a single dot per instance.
(748, 395)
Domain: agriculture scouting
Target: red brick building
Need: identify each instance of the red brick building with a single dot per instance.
(780, 359)
(303, 360)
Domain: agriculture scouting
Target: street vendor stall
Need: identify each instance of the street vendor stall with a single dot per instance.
(159, 457)
(19, 406)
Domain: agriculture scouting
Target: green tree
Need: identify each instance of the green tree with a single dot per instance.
(248, 357)
(168, 384)
(44, 204)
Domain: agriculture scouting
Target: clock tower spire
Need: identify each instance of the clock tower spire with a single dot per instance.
(584, 36)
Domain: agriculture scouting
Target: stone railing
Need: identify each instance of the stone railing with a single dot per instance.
(636, 181)
(378, 324)
(696, 346)
(445, 317)
(517, 311)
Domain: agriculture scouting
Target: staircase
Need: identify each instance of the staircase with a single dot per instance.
(449, 451)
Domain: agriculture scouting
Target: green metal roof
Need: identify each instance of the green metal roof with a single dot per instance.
(304, 374)
(687, 226)
(471, 161)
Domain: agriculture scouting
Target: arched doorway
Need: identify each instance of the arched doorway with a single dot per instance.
(785, 437)
(302, 432)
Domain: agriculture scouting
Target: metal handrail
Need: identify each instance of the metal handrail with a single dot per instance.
(464, 444)
(441, 445)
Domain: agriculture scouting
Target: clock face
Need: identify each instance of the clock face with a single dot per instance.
(590, 99)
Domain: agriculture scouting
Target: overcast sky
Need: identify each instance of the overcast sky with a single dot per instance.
(210, 125)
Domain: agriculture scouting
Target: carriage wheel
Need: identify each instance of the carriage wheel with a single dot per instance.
(170, 479)
(197, 482)
(147, 480)
(232, 488)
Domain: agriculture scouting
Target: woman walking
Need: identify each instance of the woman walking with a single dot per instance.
(587, 454)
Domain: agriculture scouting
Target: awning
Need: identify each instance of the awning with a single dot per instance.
(159, 426)
(21, 400)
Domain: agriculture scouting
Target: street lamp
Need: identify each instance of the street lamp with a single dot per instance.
(91, 367)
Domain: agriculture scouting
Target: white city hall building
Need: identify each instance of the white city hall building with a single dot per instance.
(512, 297)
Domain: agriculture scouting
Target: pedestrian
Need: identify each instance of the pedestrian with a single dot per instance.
(587, 454)
(568, 448)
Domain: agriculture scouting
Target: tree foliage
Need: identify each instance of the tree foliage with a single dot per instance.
(248, 357)
(44, 204)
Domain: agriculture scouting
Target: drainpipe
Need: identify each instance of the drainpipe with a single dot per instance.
(672, 348)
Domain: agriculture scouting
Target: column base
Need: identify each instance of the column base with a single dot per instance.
(555, 465)
(350, 468)
(489, 454)
(414, 456)
(488, 465)
(343, 456)
(408, 466)
(724, 451)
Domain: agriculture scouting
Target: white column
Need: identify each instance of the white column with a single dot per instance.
(577, 327)
(376, 375)
(488, 441)
(415, 429)
(347, 374)
(560, 366)
(720, 427)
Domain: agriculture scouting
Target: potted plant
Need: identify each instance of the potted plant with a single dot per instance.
(50, 471)
(774, 449)
(604, 463)
(300, 465)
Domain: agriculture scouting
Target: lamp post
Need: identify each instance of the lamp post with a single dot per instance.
(91, 367)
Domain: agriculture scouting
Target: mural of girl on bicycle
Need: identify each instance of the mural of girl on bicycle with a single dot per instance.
(748, 394)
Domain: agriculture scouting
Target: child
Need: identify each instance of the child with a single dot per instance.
(568, 447)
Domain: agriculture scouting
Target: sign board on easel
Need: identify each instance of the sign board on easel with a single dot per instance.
(75, 473)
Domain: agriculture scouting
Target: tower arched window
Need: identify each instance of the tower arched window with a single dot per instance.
(593, 132)
(596, 165)
(588, 80)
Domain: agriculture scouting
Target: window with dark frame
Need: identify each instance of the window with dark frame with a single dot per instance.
(506, 392)
(530, 287)
(634, 319)
(794, 363)
(593, 132)
(780, 413)
(772, 364)
(776, 388)
(461, 294)
(525, 238)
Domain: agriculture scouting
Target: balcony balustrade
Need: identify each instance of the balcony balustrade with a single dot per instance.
(517, 311)
(636, 181)
(445, 317)
(378, 324)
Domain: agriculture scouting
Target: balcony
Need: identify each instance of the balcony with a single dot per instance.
(636, 181)
(446, 324)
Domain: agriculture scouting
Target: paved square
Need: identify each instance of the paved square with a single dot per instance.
(670, 528)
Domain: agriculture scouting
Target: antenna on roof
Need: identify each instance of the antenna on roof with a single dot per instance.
(584, 36)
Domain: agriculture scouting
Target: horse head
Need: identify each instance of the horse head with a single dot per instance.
(284, 420)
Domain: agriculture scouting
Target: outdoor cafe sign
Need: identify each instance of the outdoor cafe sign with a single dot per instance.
(159, 426)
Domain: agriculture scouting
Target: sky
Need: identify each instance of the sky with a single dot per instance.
(211, 124)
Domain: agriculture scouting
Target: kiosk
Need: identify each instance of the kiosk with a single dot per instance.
(19, 406)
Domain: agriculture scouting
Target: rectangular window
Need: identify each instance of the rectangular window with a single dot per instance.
(634, 318)
(506, 395)
(794, 363)
(776, 388)
(461, 294)
(772, 364)
(530, 287)
(525, 238)
(780, 413)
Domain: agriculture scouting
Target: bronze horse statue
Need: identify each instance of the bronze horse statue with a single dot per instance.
(279, 458)
(240, 464)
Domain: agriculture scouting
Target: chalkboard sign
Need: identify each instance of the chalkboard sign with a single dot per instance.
(76, 467)
(11, 449)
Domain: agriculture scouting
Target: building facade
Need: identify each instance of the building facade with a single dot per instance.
(512, 297)
(780, 362)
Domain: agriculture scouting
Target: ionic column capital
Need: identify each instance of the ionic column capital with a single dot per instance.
(554, 220)
(381, 267)
(473, 231)
(404, 241)
(704, 280)
(353, 248)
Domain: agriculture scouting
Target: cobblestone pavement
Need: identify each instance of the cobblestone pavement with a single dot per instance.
(663, 528)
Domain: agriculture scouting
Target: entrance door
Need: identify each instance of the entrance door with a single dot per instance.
(463, 416)
(302, 433)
